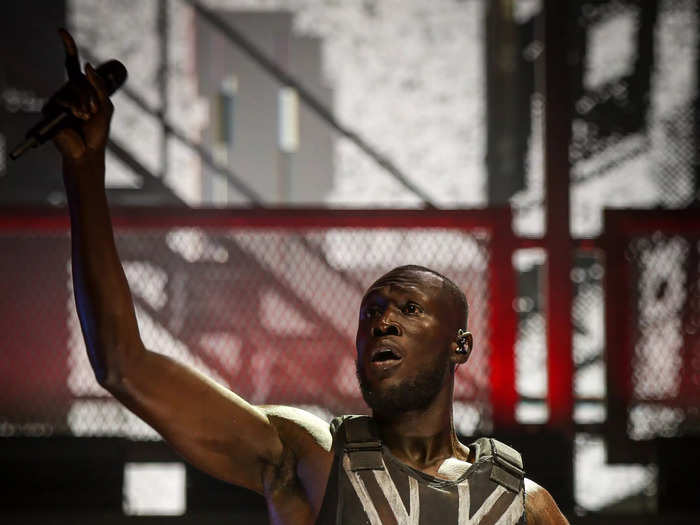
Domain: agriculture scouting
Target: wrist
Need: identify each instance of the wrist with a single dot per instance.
(88, 169)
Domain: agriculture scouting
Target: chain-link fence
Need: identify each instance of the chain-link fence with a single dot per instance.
(653, 292)
(666, 320)
(271, 312)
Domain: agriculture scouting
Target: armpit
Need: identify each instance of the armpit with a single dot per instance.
(307, 459)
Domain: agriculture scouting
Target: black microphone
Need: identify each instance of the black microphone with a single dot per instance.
(56, 118)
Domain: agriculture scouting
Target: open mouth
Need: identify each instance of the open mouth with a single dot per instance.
(385, 355)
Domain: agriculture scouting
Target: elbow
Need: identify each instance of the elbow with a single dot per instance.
(110, 346)
(109, 370)
(109, 379)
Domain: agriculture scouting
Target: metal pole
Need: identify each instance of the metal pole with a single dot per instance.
(558, 106)
(503, 323)
(163, 84)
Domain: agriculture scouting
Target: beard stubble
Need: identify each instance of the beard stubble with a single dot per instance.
(411, 394)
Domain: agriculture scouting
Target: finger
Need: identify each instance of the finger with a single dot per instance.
(90, 90)
(97, 83)
(96, 130)
(72, 60)
(77, 99)
(72, 104)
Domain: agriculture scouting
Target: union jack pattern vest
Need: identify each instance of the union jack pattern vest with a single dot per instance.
(369, 486)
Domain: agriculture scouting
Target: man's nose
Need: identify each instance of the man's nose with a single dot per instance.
(385, 325)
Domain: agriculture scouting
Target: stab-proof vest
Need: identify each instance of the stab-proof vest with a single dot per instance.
(368, 485)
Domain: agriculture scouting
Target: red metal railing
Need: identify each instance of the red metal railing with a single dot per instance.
(252, 237)
(652, 325)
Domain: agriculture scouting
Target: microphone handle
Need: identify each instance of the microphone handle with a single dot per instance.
(41, 133)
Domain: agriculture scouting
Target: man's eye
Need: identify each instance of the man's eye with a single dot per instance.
(411, 308)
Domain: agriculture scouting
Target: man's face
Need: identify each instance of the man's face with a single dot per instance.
(403, 341)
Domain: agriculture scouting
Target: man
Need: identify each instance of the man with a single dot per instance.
(404, 465)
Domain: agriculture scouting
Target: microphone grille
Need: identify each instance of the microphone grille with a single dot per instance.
(113, 73)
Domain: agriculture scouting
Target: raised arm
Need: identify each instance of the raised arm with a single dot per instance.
(210, 426)
(540, 507)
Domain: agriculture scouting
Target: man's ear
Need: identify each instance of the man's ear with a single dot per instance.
(460, 356)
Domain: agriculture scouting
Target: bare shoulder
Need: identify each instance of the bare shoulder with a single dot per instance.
(299, 429)
(540, 507)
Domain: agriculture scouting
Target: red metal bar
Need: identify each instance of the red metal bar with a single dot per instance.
(17, 219)
(559, 254)
(689, 392)
(587, 244)
(644, 222)
(503, 326)
(618, 346)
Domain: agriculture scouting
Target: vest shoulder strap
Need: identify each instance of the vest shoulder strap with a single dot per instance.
(507, 463)
(357, 436)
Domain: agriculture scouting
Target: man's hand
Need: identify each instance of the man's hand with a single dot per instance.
(86, 98)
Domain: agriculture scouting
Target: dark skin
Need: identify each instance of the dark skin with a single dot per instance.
(282, 453)
(406, 312)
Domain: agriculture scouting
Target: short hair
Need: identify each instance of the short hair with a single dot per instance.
(455, 295)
